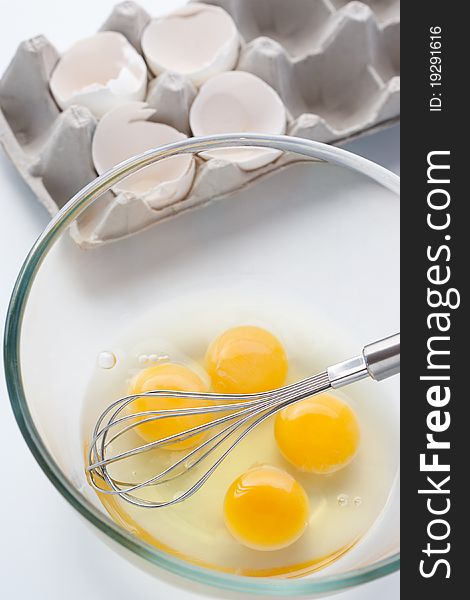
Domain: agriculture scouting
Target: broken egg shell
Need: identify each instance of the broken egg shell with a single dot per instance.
(100, 72)
(126, 131)
(198, 41)
(238, 102)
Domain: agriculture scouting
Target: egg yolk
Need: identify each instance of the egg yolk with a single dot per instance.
(265, 508)
(319, 435)
(172, 377)
(246, 360)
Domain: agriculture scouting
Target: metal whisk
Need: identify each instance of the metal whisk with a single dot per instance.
(240, 415)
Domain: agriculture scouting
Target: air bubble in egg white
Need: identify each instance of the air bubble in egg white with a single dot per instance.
(153, 358)
(357, 501)
(143, 359)
(106, 360)
(343, 499)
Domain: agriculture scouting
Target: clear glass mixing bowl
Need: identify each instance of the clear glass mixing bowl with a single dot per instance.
(324, 231)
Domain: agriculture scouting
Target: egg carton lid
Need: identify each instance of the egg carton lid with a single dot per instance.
(335, 65)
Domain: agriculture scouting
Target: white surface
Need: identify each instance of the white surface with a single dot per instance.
(46, 552)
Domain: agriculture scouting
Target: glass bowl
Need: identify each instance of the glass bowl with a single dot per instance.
(324, 231)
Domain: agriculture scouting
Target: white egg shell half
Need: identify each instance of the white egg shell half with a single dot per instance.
(99, 72)
(238, 102)
(124, 132)
(198, 41)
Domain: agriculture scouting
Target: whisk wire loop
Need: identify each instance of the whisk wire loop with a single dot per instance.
(251, 410)
(241, 413)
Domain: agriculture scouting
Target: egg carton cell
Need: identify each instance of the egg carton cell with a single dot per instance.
(334, 64)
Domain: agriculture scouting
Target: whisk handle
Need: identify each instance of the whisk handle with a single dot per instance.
(378, 360)
(383, 357)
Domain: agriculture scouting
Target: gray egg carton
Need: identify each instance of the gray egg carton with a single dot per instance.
(335, 64)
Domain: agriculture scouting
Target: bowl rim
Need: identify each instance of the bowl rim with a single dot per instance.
(12, 365)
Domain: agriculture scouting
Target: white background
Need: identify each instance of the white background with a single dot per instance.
(46, 552)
